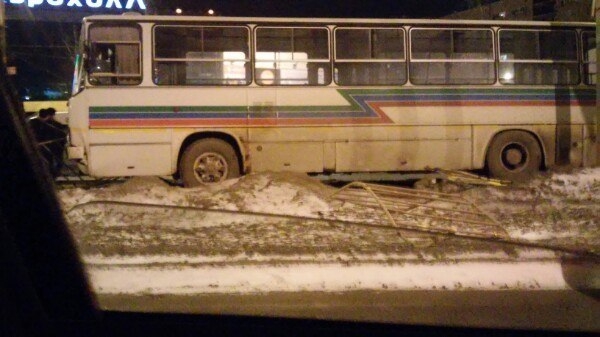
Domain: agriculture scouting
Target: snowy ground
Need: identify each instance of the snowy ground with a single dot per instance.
(188, 247)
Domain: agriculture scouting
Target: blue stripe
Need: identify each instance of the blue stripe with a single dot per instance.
(361, 107)
(225, 115)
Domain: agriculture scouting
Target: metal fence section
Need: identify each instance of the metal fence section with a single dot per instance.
(422, 210)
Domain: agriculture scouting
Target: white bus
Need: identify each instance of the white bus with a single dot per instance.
(210, 98)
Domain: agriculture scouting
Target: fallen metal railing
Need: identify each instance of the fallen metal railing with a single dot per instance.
(579, 250)
(422, 210)
(470, 178)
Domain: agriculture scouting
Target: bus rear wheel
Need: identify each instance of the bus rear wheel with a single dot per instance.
(514, 156)
(208, 161)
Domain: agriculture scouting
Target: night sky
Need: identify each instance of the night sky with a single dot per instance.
(317, 8)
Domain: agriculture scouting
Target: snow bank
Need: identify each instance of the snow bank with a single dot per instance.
(558, 207)
(582, 184)
(278, 193)
(150, 190)
(275, 193)
(329, 278)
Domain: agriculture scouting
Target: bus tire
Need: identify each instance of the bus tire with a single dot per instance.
(514, 156)
(208, 161)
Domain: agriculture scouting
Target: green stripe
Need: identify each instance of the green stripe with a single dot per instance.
(353, 105)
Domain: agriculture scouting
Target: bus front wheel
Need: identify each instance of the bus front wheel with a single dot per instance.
(208, 161)
(514, 156)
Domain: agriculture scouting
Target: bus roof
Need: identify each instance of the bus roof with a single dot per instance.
(335, 21)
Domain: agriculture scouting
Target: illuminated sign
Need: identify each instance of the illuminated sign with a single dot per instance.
(110, 4)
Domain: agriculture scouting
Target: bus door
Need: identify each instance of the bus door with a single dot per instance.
(292, 68)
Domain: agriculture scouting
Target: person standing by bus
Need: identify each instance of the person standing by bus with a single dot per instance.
(51, 137)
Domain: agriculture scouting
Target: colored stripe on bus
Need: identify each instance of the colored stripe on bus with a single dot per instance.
(365, 108)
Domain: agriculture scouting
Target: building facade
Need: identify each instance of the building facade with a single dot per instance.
(540, 10)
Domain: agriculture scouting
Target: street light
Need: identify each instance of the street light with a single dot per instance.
(210, 12)
(178, 11)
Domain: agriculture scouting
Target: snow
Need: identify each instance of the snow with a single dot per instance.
(137, 190)
(189, 250)
(262, 195)
(541, 235)
(330, 278)
(139, 260)
(585, 184)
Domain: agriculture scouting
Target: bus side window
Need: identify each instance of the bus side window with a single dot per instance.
(370, 56)
(115, 55)
(201, 55)
(538, 57)
(589, 58)
(102, 62)
(127, 64)
(292, 56)
(452, 56)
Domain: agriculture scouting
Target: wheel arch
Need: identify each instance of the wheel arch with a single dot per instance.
(224, 136)
(535, 135)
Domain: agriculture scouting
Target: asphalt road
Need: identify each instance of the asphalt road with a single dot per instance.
(512, 309)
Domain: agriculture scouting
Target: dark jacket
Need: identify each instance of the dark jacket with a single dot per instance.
(51, 137)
